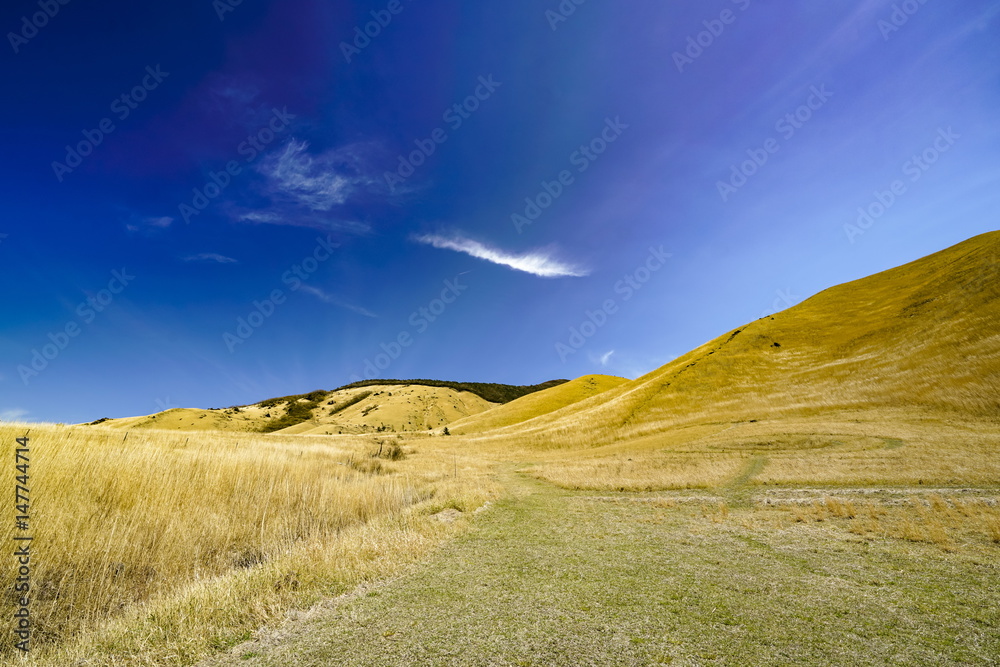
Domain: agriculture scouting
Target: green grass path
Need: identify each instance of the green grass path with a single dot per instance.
(549, 577)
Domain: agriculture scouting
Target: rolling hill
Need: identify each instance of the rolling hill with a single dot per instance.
(909, 355)
(918, 344)
(363, 407)
(537, 404)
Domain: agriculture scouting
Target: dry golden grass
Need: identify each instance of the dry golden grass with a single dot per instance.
(858, 448)
(147, 525)
(947, 521)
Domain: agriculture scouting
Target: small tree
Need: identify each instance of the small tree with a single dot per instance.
(446, 431)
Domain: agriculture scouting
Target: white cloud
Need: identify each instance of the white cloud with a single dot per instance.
(606, 357)
(210, 257)
(537, 262)
(265, 217)
(329, 298)
(149, 224)
(317, 182)
(283, 214)
(12, 415)
(305, 189)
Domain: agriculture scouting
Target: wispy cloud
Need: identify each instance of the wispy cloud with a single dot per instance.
(12, 415)
(263, 217)
(286, 215)
(606, 357)
(148, 224)
(332, 300)
(540, 263)
(317, 182)
(305, 189)
(210, 257)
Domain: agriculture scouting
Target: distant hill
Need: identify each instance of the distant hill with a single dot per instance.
(375, 406)
(537, 404)
(494, 393)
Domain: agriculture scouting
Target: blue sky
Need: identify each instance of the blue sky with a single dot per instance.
(208, 204)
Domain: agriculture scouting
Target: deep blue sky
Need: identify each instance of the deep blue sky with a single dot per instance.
(881, 94)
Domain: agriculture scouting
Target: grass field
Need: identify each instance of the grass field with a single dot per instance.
(720, 577)
(156, 547)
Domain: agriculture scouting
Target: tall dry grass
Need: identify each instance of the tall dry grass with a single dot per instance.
(121, 522)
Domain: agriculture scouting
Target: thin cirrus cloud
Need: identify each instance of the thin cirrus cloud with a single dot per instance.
(329, 298)
(149, 223)
(304, 189)
(540, 263)
(210, 257)
(316, 182)
(12, 415)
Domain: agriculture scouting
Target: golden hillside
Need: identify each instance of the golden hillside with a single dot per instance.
(910, 355)
(376, 408)
(537, 404)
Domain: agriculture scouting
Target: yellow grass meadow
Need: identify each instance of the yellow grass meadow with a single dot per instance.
(154, 544)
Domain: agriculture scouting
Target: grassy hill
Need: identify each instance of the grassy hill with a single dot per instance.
(910, 356)
(488, 391)
(537, 404)
(361, 407)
